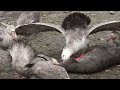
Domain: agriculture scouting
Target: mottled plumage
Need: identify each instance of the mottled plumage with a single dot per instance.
(75, 30)
(6, 39)
(27, 63)
(76, 20)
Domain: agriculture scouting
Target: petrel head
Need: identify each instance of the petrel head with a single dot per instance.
(73, 47)
(75, 26)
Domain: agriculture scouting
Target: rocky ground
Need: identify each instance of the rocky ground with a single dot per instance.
(51, 43)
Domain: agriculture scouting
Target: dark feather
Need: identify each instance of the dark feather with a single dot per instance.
(76, 20)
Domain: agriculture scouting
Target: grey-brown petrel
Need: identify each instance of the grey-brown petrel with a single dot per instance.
(75, 28)
(7, 32)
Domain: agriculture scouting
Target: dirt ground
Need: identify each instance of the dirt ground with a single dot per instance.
(51, 43)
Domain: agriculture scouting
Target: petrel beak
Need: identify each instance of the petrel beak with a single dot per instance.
(13, 34)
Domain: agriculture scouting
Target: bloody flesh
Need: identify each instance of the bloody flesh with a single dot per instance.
(80, 57)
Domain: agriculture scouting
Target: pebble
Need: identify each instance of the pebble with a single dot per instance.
(54, 61)
(107, 70)
(112, 12)
(46, 70)
(88, 12)
(118, 65)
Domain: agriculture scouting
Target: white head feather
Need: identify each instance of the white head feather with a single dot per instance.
(73, 48)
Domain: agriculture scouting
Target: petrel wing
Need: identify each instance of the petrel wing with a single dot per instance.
(106, 26)
(29, 29)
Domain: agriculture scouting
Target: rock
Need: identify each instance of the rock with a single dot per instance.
(25, 18)
(2, 14)
(112, 12)
(107, 70)
(88, 12)
(118, 65)
(67, 11)
(55, 62)
(46, 70)
(5, 60)
(6, 71)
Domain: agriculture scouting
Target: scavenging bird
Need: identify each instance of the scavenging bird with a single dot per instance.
(7, 32)
(75, 30)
